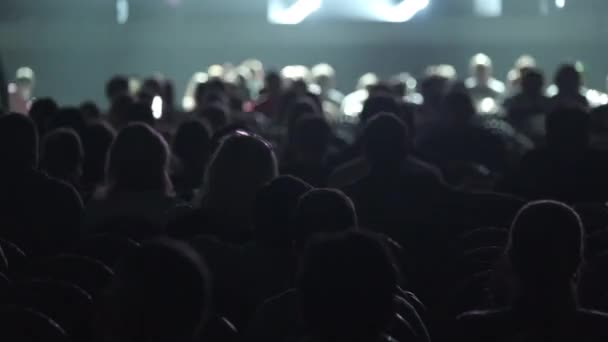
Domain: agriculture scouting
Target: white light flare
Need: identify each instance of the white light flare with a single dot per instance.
(560, 3)
(157, 107)
(294, 14)
(122, 11)
(404, 11)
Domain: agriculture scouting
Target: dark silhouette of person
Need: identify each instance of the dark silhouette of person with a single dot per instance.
(117, 87)
(569, 83)
(161, 292)
(43, 111)
(270, 95)
(240, 166)
(40, 214)
(461, 137)
(120, 110)
(90, 111)
(137, 180)
(308, 151)
(68, 117)
(140, 111)
(397, 187)
(96, 141)
(216, 115)
(545, 251)
(62, 156)
(191, 147)
(567, 168)
(4, 97)
(530, 101)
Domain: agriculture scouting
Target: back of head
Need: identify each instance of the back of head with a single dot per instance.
(274, 205)
(322, 211)
(533, 82)
(239, 167)
(96, 141)
(346, 285)
(140, 112)
(311, 137)
(62, 154)
(385, 141)
(18, 143)
(568, 79)
(192, 143)
(567, 128)
(379, 104)
(216, 115)
(138, 161)
(458, 107)
(546, 243)
(117, 86)
(161, 292)
(43, 111)
(68, 117)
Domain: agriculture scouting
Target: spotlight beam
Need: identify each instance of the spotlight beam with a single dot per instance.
(293, 14)
(405, 10)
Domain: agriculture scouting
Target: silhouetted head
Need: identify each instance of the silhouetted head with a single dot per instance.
(90, 110)
(403, 83)
(379, 104)
(192, 144)
(216, 115)
(533, 82)
(273, 83)
(386, 141)
(242, 164)
(433, 88)
(568, 79)
(546, 243)
(346, 286)
(322, 211)
(458, 107)
(43, 111)
(275, 203)
(481, 68)
(140, 112)
(68, 117)
(161, 292)
(96, 141)
(567, 128)
(138, 161)
(119, 111)
(311, 138)
(18, 143)
(116, 87)
(62, 155)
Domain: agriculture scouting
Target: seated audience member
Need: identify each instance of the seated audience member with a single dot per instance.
(396, 186)
(40, 214)
(461, 138)
(191, 148)
(96, 141)
(161, 292)
(567, 169)
(240, 166)
(545, 250)
(137, 180)
(308, 150)
(569, 84)
(481, 84)
(43, 111)
(62, 156)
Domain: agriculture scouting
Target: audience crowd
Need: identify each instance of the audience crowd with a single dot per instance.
(271, 207)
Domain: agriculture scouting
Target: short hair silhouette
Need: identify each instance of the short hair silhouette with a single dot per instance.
(568, 79)
(140, 112)
(567, 127)
(18, 143)
(458, 107)
(138, 161)
(242, 164)
(62, 154)
(379, 104)
(117, 86)
(533, 82)
(162, 292)
(346, 285)
(322, 211)
(68, 117)
(275, 202)
(192, 143)
(546, 242)
(96, 141)
(385, 140)
(311, 136)
(43, 111)
(216, 115)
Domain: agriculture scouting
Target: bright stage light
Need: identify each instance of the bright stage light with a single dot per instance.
(404, 11)
(278, 13)
(560, 3)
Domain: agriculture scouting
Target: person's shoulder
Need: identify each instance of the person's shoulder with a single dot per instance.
(57, 188)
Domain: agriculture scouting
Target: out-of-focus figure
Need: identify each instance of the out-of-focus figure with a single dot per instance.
(270, 96)
(324, 84)
(21, 91)
(404, 85)
(4, 102)
(514, 76)
(568, 88)
(189, 101)
(482, 85)
(353, 102)
(256, 82)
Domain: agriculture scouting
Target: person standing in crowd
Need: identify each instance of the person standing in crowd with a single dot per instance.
(21, 92)
(482, 85)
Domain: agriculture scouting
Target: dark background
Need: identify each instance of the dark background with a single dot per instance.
(75, 45)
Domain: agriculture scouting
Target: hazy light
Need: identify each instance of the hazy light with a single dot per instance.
(122, 11)
(294, 14)
(487, 105)
(404, 11)
(560, 3)
(488, 8)
(157, 107)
